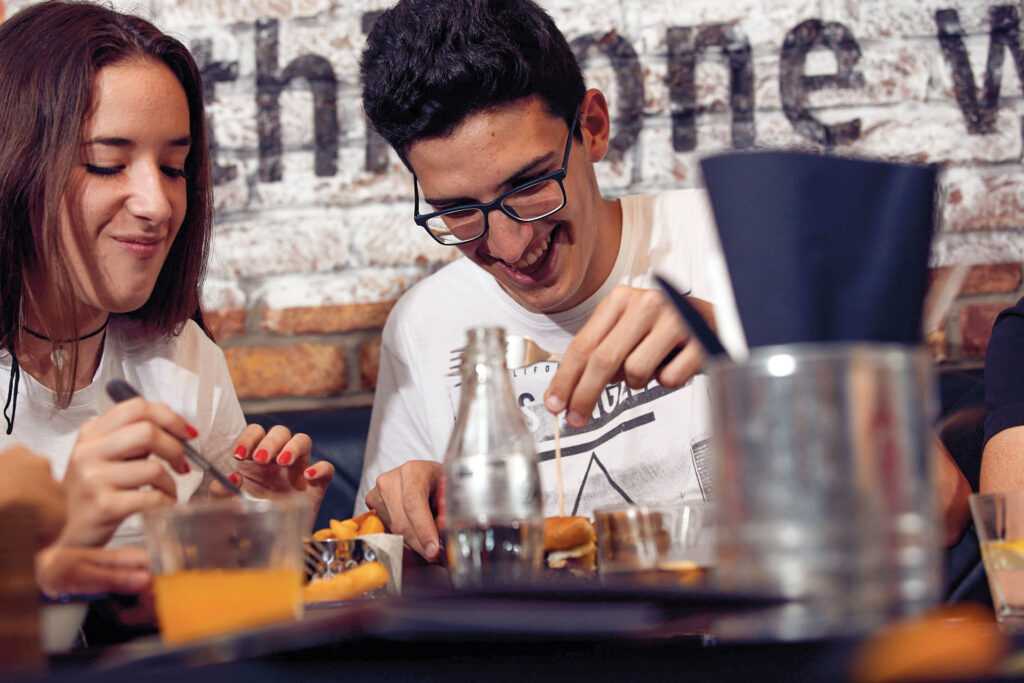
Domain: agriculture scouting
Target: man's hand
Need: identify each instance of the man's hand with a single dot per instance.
(404, 498)
(630, 335)
(28, 482)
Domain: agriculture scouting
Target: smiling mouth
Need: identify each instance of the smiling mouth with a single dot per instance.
(533, 261)
(139, 245)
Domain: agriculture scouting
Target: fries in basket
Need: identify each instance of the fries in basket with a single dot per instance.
(339, 566)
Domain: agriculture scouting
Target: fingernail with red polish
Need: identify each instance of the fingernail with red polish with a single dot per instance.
(235, 478)
(184, 469)
(311, 472)
(240, 453)
(285, 458)
(191, 431)
(261, 456)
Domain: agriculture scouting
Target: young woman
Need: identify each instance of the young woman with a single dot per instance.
(105, 216)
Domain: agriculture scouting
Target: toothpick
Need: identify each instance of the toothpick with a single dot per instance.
(558, 467)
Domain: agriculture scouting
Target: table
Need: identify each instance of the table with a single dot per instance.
(430, 634)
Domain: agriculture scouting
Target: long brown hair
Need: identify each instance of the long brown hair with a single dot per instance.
(50, 54)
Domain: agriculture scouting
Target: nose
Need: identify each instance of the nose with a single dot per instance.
(507, 239)
(149, 199)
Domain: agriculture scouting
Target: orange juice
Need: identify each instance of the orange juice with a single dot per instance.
(200, 603)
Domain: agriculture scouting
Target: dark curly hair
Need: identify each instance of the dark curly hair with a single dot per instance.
(428, 65)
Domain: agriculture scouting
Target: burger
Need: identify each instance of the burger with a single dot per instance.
(570, 545)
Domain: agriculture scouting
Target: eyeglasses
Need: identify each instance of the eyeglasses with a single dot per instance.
(531, 201)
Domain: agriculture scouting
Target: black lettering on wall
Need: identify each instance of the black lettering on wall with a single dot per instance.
(629, 78)
(213, 73)
(376, 146)
(980, 113)
(319, 74)
(683, 53)
(794, 85)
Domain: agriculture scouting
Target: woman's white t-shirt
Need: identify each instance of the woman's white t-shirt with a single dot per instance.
(188, 372)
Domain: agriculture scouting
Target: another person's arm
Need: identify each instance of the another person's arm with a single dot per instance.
(27, 482)
(1002, 462)
(952, 490)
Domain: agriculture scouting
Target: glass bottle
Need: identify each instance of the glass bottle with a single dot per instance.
(492, 499)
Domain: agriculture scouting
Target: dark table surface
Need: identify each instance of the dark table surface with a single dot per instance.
(433, 634)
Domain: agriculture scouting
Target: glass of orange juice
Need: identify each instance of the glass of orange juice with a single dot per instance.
(226, 566)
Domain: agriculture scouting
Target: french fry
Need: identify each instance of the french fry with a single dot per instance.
(323, 535)
(371, 525)
(348, 585)
(344, 531)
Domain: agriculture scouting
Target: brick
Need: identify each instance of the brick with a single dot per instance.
(143, 8)
(352, 185)
(976, 322)
(353, 286)
(995, 246)
(982, 199)
(892, 74)
(297, 244)
(225, 324)
(327, 319)
(222, 295)
(369, 363)
(872, 19)
(281, 371)
(387, 236)
(233, 110)
(572, 22)
(941, 84)
(999, 278)
(764, 22)
(200, 12)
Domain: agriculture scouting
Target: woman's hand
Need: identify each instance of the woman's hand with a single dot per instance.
(61, 570)
(277, 462)
(110, 475)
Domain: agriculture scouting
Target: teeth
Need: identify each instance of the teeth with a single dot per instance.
(535, 255)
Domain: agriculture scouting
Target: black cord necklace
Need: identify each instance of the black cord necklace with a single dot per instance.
(57, 357)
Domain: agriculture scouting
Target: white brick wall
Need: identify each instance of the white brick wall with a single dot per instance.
(311, 241)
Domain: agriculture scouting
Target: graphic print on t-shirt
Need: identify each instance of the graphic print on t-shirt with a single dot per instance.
(640, 445)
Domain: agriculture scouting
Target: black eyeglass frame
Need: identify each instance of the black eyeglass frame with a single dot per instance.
(498, 204)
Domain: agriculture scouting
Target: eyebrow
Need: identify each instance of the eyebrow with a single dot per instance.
(185, 141)
(525, 169)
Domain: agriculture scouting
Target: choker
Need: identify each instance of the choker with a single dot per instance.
(57, 355)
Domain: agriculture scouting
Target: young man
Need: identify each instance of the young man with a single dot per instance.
(485, 103)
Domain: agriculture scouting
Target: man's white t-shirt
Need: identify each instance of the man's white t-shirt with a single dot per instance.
(188, 372)
(648, 445)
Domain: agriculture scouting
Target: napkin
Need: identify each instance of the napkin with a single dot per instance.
(388, 548)
(822, 248)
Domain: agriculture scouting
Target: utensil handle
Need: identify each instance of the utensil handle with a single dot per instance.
(120, 391)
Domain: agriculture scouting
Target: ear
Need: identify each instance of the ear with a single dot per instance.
(595, 125)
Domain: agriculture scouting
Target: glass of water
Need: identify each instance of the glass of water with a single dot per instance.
(999, 520)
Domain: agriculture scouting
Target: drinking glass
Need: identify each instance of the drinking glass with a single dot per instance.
(225, 566)
(824, 471)
(999, 521)
(671, 540)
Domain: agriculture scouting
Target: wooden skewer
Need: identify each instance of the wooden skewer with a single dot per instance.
(558, 467)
